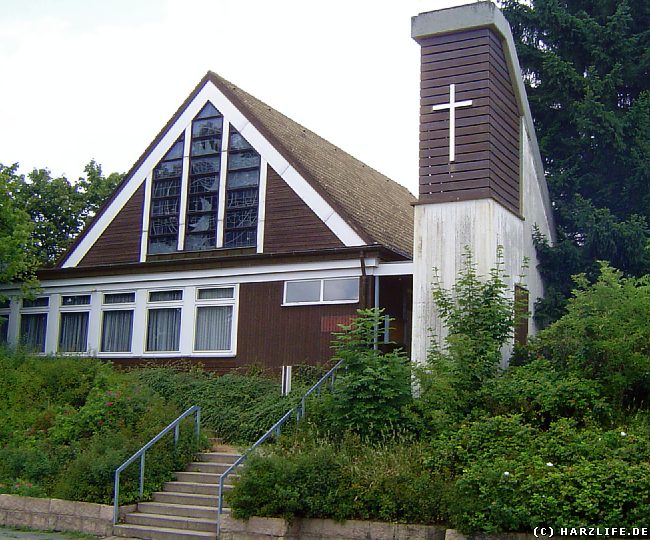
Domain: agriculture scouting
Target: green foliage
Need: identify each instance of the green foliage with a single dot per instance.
(585, 64)
(57, 207)
(68, 423)
(604, 337)
(18, 260)
(239, 408)
(374, 387)
(479, 318)
(313, 477)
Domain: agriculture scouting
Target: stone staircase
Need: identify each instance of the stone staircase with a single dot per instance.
(186, 509)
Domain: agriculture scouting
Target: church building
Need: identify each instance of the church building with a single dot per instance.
(242, 238)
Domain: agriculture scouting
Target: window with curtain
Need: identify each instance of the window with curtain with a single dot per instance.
(73, 331)
(32, 330)
(322, 291)
(164, 329)
(4, 328)
(213, 328)
(117, 331)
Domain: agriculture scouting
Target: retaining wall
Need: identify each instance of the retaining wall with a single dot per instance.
(58, 515)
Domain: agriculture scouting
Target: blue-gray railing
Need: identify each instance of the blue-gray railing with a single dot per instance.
(175, 425)
(274, 431)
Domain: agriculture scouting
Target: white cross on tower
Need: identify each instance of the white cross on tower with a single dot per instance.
(452, 106)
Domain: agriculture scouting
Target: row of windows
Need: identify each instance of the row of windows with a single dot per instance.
(213, 332)
(214, 317)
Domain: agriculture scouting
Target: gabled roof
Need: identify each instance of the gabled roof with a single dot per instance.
(378, 209)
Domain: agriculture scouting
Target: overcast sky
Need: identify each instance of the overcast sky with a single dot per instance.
(85, 79)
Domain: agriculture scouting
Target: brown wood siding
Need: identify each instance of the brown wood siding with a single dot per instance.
(487, 132)
(271, 335)
(290, 224)
(120, 242)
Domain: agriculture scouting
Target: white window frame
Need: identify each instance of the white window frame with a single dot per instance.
(117, 306)
(234, 302)
(162, 304)
(36, 310)
(5, 313)
(76, 308)
(320, 301)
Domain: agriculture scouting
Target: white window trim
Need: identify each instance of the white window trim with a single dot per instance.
(39, 310)
(234, 302)
(118, 306)
(162, 304)
(77, 308)
(322, 286)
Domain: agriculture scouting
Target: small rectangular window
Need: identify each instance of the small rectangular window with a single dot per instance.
(42, 301)
(302, 291)
(117, 331)
(78, 300)
(119, 298)
(213, 328)
(164, 329)
(32, 330)
(73, 333)
(340, 290)
(4, 328)
(215, 294)
(165, 296)
(5, 304)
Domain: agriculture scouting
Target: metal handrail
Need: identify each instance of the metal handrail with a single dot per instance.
(274, 430)
(175, 425)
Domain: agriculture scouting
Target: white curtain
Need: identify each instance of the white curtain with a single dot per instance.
(32, 331)
(164, 329)
(213, 325)
(73, 336)
(117, 330)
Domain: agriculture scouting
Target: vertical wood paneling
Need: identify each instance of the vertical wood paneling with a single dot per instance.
(120, 242)
(487, 132)
(290, 224)
(272, 335)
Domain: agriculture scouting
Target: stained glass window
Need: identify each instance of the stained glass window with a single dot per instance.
(165, 200)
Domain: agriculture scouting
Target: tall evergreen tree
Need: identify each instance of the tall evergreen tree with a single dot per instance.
(586, 64)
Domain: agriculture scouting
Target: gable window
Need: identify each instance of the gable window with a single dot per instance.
(203, 185)
(33, 323)
(321, 291)
(117, 322)
(164, 324)
(214, 319)
(73, 323)
(242, 193)
(165, 200)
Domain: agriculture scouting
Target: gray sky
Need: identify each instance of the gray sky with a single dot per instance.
(98, 79)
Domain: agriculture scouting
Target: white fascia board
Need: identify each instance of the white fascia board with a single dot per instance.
(262, 273)
(401, 268)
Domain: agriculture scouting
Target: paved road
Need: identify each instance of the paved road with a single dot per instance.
(13, 534)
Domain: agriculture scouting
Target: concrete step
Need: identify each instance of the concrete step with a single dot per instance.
(195, 487)
(185, 498)
(207, 467)
(217, 457)
(160, 533)
(171, 522)
(199, 478)
(182, 510)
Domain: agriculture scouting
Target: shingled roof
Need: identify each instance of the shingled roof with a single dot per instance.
(378, 208)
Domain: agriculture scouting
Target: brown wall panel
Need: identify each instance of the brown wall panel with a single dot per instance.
(272, 335)
(487, 132)
(290, 224)
(120, 242)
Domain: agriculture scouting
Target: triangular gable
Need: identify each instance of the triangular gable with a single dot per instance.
(141, 174)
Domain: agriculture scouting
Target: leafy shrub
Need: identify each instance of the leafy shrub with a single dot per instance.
(604, 336)
(375, 386)
(311, 477)
(541, 393)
